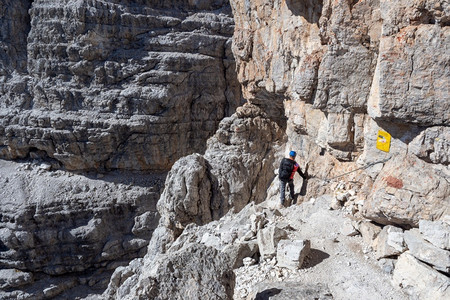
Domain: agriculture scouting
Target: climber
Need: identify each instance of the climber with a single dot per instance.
(286, 172)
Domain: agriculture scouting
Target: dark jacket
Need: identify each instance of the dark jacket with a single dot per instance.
(287, 169)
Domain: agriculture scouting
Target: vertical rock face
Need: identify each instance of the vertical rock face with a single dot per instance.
(96, 85)
(115, 85)
(346, 69)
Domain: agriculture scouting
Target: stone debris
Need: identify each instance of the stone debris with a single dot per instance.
(369, 232)
(248, 261)
(13, 278)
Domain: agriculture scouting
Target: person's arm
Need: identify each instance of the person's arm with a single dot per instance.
(301, 173)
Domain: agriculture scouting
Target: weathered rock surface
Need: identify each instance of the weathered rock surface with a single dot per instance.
(128, 85)
(420, 281)
(426, 252)
(390, 242)
(268, 239)
(437, 233)
(196, 272)
(407, 190)
(117, 85)
(291, 254)
(331, 63)
(64, 231)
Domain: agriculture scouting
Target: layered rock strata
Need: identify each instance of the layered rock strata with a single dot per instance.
(60, 231)
(115, 85)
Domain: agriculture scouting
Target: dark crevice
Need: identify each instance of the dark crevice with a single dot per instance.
(311, 10)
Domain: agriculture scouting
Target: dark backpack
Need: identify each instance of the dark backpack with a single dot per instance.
(285, 170)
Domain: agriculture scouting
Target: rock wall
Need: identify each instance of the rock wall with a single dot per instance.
(344, 70)
(98, 100)
(124, 85)
(64, 231)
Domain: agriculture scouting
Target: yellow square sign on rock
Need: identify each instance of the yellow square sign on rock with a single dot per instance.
(383, 141)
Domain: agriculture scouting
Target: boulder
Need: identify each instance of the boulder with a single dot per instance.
(436, 232)
(268, 239)
(420, 281)
(408, 190)
(348, 229)
(369, 232)
(194, 272)
(241, 250)
(187, 194)
(432, 144)
(390, 242)
(427, 252)
(291, 254)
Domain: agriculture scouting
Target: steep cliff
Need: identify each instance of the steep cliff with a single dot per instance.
(131, 89)
(114, 85)
(344, 70)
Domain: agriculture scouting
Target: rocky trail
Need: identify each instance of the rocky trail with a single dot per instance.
(339, 265)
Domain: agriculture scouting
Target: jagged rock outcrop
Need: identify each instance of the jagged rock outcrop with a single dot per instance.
(115, 85)
(419, 280)
(60, 231)
(200, 189)
(196, 272)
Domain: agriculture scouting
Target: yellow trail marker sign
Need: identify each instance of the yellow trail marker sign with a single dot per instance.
(383, 141)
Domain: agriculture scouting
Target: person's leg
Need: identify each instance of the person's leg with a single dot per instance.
(282, 190)
(291, 189)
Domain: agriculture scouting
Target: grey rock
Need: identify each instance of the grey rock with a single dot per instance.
(187, 194)
(13, 278)
(433, 144)
(418, 280)
(418, 49)
(387, 265)
(291, 254)
(268, 239)
(56, 225)
(427, 252)
(408, 190)
(138, 104)
(369, 232)
(436, 232)
(348, 229)
(390, 242)
(238, 252)
(196, 272)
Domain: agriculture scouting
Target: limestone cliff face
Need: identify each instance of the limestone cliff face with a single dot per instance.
(114, 85)
(345, 69)
(136, 85)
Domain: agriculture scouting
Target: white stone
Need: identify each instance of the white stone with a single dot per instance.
(268, 239)
(419, 280)
(437, 233)
(291, 254)
(390, 242)
(427, 252)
